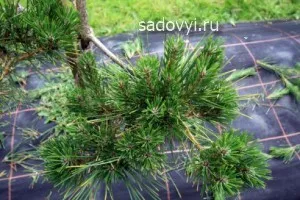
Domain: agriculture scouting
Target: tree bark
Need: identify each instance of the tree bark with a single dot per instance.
(87, 34)
(85, 30)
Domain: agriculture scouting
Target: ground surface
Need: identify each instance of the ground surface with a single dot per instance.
(109, 17)
(118, 16)
(272, 123)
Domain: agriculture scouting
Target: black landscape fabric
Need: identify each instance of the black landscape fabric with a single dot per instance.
(273, 123)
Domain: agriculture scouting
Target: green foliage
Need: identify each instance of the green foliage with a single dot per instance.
(232, 162)
(112, 125)
(293, 87)
(3, 135)
(140, 149)
(287, 153)
(184, 85)
(281, 70)
(60, 155)
(78, 163)
(42, 31)
(44, 28)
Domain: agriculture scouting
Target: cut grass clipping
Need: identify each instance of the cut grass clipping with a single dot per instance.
(132, 48)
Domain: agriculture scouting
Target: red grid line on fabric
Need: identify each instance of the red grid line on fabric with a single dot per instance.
(11, 172)
(260, 41)
(166, 182)
(266, 93)
(227, 45)
(18, 177)
(283, 32)
(20, 111)
(279, 137)
(168, 188)
(234, 44)
(219, 127)
(259, 22)
(239, 196)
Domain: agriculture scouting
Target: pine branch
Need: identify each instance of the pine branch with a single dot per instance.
(232, 162)
(281, 71)
(292, 87)
(22, 32)
(111, 55)
(287, 153)
(8, 67)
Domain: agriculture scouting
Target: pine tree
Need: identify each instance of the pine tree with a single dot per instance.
(113, 122)
(116, 129)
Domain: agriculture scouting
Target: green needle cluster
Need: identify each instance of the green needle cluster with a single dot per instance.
(232, 162)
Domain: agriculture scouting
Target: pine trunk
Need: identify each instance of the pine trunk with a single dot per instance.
(85, 31)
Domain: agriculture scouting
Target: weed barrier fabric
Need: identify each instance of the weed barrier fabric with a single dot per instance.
(273, 123)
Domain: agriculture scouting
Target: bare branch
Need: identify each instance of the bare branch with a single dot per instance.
(101, 46)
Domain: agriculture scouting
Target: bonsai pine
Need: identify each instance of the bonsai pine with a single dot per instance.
(116, 129)
(112, 123)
